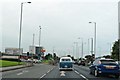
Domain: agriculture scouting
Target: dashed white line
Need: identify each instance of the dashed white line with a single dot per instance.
(46, 73)
(83, 77)
(19, 73)
(77, 72)
(43, 76)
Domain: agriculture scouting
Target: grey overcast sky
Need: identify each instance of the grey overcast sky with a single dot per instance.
(62, 21)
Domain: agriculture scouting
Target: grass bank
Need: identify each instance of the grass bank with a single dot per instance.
(4, 63)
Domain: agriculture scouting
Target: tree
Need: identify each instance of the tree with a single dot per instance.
(115, 50)
(68, 55)
(89, 57)
(107, 56)
(48, 56)
(54, 56)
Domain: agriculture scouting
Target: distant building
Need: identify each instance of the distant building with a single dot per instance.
(14, 51)
(36, 50)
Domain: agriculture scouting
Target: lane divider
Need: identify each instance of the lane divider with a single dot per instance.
(19, 73)
(81, 75)
(46, 73)
(24, 71)
(77, 72)
(43, 75)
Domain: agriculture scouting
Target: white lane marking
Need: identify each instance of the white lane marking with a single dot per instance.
(46, 73)
(19, 73)
(77, 72)
(83, 77)
(25, 71)
(43, 75)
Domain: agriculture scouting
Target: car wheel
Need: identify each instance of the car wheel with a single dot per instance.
(117, 76)
(96, 73)
(90, 72)
(83, 64)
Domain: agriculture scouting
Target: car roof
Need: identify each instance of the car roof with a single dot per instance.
(65, 58)
(105, 59)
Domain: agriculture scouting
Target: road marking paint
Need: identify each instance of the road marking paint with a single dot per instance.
(51, 69)
(43, 75)
(48, 71)
(83, 77)
(24, 71)
(19, 73)
(62, 73)
(77, 72)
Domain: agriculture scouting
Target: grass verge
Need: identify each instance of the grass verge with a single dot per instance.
(4, 63)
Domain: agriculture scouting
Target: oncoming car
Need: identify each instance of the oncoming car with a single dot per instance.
(104, 67)
(65, 63)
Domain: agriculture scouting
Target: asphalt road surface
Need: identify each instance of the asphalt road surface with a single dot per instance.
(47, 72)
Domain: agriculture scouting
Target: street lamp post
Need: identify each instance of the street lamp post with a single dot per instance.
(76, 43)
(21, 13)
(91, 46)
(88, 46)
(81, 47)
(94, 39)
(40, 35)
(39, 41)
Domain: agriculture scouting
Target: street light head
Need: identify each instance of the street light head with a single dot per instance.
(29, 2)
(90, 22)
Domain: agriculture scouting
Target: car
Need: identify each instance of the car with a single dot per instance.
(104, 67)
(118, 62)
(36, 61)
(66, 63)
(81, 62)
(29, 60)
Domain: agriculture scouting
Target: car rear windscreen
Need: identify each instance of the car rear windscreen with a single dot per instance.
(65, 59)
(108, 62)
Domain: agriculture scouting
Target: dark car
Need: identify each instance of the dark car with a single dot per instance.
(81, 62)
(105, 67)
